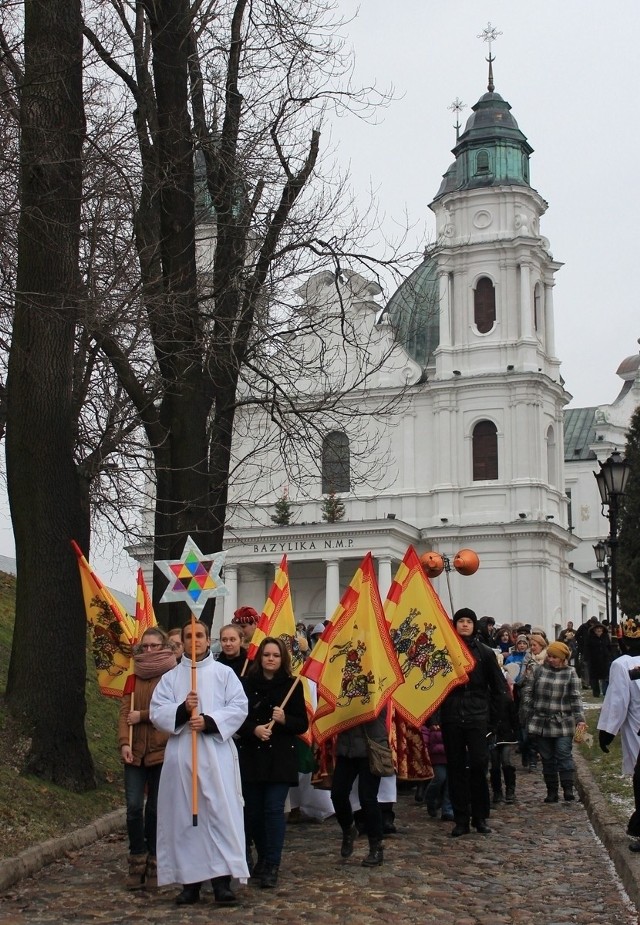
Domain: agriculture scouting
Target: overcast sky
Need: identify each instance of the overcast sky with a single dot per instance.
(571, 71)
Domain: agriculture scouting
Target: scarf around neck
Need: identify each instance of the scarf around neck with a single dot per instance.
(153, 662)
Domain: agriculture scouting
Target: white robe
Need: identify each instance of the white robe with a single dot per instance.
(216, 846)
(621, 709)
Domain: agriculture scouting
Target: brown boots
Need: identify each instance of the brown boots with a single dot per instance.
(137, 871)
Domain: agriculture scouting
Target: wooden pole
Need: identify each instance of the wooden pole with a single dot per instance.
(131, 727)
(194, 734)
(286, 699)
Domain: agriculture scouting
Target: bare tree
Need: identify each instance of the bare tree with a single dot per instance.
(46, 692)
(243, 89)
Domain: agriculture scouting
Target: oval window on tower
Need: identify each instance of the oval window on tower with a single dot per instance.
(484, 305)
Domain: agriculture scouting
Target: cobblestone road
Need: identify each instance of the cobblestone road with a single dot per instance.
(541, 866)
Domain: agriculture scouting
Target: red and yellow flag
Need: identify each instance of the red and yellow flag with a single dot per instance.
(353, 663)
(277, 619)
(145, 614)
(113, 631)
(432, 657)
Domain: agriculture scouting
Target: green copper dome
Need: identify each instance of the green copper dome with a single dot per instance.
(414, 311)
(492, 151)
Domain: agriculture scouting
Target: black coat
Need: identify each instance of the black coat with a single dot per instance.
(236, 663)
(274, 761)
(597, 653)
(480, 702)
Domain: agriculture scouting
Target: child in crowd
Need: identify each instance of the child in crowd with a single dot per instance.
(436, 794)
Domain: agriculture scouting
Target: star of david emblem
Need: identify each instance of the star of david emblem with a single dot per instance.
(193, 578)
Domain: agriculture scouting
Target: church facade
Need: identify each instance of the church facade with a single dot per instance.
(451, 432)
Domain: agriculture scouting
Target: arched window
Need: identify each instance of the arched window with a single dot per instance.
(482, 162)
(484, 441)
(336, 464)
(484, 305)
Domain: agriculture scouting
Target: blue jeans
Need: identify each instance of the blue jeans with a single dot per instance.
(142, 820)
(344, 774)
(556, 754)
(437, 792)
(265, 820)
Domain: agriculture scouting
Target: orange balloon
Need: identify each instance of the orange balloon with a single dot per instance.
(466, 562)
(432, 563)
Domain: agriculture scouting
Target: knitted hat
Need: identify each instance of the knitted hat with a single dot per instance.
(522, 638)
(244, 616)
(559, 650)
(466, 612)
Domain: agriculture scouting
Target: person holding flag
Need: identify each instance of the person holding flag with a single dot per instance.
(267, 749)
(468, 716)
(142, 749)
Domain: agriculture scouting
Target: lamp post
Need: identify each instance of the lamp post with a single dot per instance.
(612, 482)
(603, 553)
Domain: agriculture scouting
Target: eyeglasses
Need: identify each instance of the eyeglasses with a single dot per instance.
(151, 645)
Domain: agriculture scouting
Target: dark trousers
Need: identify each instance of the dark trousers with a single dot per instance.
(142, 819)
(467, 751)
(264, 815)
(345, 773)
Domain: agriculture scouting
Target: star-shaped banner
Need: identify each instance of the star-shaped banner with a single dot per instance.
(193, 578)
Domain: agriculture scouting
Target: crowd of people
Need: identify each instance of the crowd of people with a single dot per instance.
(239, 723)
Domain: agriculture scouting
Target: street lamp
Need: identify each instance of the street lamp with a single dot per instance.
(612, 482)
(603, 552)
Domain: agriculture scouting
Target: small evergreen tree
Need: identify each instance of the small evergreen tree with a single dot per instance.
(333, 509)
(628, 561)
(282, 516)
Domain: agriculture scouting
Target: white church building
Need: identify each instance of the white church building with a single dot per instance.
(464, 403)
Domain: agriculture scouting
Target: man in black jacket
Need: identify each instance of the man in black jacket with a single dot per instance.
(468, 717)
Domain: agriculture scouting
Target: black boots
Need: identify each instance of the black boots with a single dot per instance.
(509, 784)
(551, 780)
(567, 786)
(480, 825)
(496, 785)
(460, 828)
(222, 891)
(190, 894)
(376, 854)
(269, 877)
(348, 837)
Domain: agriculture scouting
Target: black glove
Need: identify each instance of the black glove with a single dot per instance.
(604, 740)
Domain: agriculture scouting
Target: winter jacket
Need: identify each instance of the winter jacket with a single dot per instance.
(597, 653)
(434, 744)
(482, 700)
(552, 702)
(274, 761)
(236, 663)
(147, 744)
(353, 742)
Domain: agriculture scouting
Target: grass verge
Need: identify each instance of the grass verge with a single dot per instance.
(32, 810)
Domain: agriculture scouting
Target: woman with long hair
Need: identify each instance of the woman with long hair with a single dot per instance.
(268, 762)
(142, 749)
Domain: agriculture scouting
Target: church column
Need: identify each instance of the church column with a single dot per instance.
(384, 575)
(228, 603)
(526, 320)
(332, 592)
(445, 310)
(549, 320)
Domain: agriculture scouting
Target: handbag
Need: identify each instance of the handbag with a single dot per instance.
(380, 758)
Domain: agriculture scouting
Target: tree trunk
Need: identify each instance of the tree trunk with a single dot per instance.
(47, 671)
